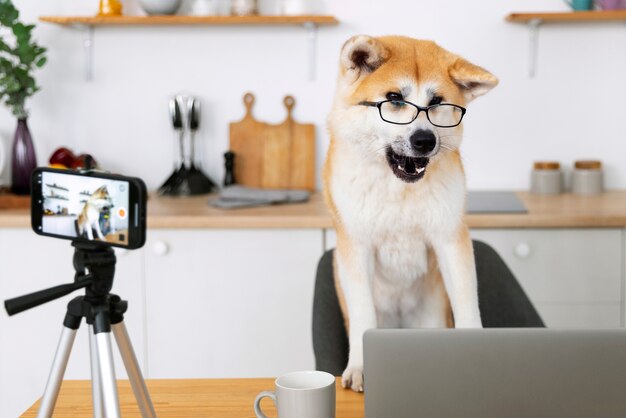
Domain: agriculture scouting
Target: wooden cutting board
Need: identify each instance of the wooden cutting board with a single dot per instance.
(273, 156)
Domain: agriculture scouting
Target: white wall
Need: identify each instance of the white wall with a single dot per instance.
(573, 109)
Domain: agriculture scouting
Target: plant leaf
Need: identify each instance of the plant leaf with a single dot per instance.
(8, 13)
(18, 59)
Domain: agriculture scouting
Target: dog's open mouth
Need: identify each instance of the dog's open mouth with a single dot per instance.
(408, 169)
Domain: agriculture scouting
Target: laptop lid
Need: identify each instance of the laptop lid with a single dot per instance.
(498, 373)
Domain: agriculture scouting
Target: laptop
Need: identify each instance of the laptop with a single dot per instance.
(495, 373)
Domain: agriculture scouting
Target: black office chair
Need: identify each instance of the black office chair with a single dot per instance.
(502, 301)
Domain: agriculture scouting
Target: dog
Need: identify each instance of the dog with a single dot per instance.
(396, 189)
(89, 217)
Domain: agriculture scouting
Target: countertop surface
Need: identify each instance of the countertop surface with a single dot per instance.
(559, 211)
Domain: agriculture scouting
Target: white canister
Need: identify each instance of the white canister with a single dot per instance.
(587, 177)
(204, 8)
(244, 7)
(546, 178)
(298, 7)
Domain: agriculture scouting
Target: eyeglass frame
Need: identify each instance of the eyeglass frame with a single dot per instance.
(419, 109)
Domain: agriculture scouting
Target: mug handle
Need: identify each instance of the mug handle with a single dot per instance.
(257, 402)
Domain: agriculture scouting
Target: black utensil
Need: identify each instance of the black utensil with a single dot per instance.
(180, 170)
(198, 182)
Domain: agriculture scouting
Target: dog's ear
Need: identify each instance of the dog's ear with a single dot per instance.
(473, 80)
(361, 55)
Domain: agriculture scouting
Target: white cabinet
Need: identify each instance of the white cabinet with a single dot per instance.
(238, 302)
(230, 303)
(573, 276)
(29, 339)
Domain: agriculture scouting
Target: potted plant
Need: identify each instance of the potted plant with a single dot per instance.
(20, 55)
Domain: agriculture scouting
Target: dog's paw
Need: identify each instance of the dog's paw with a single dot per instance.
(353, 378)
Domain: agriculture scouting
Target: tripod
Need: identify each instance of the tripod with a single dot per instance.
(104, 312)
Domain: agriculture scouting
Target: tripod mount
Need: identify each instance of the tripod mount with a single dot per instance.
(94, 264)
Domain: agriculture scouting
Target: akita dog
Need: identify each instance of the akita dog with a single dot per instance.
(395, 185)
(89, 217)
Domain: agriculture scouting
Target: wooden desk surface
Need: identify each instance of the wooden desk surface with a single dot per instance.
(560, 211)
(198, 398)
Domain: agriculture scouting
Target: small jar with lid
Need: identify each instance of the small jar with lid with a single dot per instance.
(587, 177)
(546, 178)
(244, 7)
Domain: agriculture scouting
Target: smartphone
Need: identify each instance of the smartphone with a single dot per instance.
(89, 206)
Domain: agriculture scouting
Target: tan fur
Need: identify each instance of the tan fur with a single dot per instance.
(89, 216)
(101, 193)
(364, 199)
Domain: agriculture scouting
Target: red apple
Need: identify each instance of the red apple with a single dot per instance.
(84, 161)
(63, 156)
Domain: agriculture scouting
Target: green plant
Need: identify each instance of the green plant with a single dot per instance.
(19, 57)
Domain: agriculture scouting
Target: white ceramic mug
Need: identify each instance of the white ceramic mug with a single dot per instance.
(301, 395)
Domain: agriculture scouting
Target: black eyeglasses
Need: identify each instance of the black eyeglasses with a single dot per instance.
(401, 112)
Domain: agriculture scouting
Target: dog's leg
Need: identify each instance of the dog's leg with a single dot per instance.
(98, 231)
(89, 232)
(354, 266)
(456, 261)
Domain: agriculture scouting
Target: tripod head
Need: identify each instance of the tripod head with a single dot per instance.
(94, 264)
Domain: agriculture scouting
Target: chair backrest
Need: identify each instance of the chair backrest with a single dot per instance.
(503, 303)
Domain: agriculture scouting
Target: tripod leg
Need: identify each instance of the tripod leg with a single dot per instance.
(50, 395)
(134, 372)
(108, 384)
(96, 389)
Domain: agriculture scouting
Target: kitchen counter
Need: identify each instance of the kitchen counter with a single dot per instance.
(560, 211)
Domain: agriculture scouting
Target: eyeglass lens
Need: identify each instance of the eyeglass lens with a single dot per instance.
(398, 112)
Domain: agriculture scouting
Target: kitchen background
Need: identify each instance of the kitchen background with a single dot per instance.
(574, 271)
(573, 109)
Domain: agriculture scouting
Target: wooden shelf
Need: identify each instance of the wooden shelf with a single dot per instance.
(582, 16)
(534, 20)
(88, 24)
(188, 20)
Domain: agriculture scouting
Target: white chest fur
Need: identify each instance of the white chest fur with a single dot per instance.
(375, 206)
(93, 214)
(395, 221)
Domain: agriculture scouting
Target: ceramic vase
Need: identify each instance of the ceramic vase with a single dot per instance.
(23, 160)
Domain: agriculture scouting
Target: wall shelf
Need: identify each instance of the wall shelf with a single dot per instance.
(89, 23)
(534, 20)
(188, 20)
(564, 17)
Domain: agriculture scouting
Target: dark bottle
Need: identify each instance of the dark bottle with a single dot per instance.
(24, 161)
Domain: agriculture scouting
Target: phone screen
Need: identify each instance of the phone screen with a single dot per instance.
(84, 207)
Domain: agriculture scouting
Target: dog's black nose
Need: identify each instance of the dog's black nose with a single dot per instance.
(423, 141)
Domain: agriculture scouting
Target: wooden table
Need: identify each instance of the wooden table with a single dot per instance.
(198, 398)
